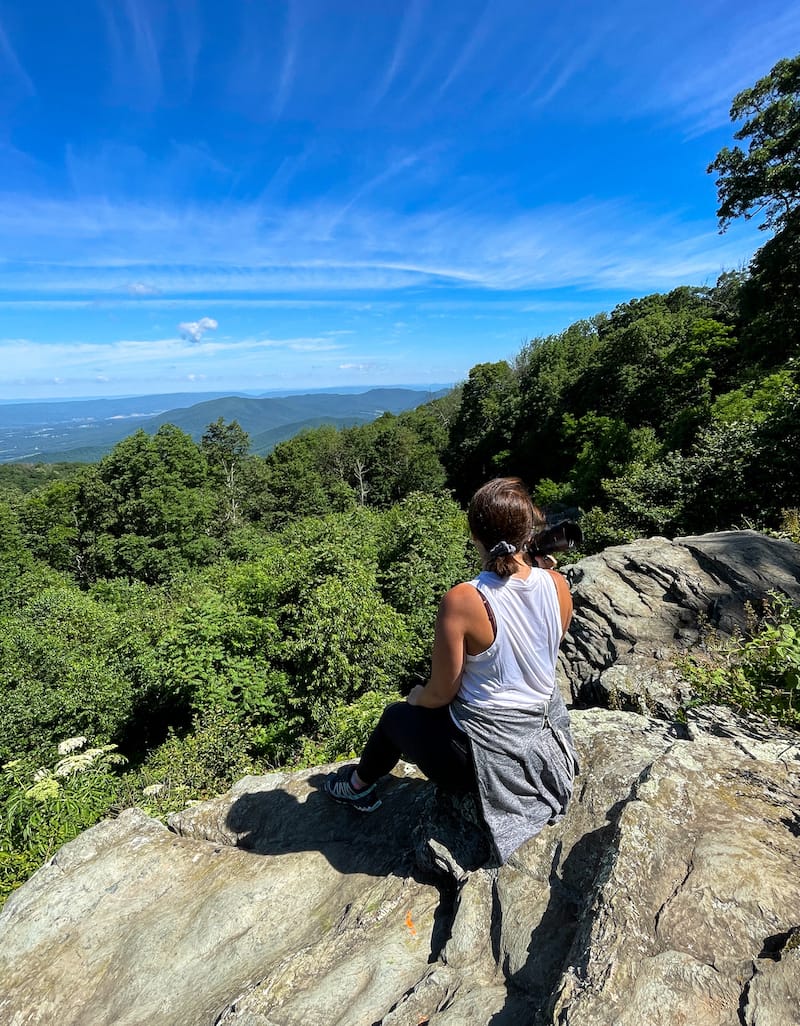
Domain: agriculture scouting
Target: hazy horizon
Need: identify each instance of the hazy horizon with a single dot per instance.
(245, 393)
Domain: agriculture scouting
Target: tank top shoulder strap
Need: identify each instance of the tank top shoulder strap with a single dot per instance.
(487, 606)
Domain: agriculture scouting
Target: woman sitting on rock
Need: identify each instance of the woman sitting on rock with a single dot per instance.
(491, 719)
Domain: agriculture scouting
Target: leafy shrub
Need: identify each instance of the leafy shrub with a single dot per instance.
(44, 808)
(216, 656)
(345, 640)
(346, 729)
(790, 525)
(59, 673)
(203, 763)
(757, 670)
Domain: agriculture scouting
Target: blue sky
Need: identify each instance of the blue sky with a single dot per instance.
(310, 193)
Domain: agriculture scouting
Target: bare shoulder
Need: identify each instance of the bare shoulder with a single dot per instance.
(462, 598)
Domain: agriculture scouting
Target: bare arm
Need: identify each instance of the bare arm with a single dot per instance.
(564, 600)
(459, 610)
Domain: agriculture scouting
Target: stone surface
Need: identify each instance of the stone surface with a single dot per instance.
(670, 893)
(131, 923)
(637, 604)
(755, 736)
(667, 894)
(703, 872)
(773, 996)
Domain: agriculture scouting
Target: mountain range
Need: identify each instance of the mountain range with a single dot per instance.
(85, 430)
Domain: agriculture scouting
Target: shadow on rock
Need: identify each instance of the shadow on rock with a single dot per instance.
(417, 832)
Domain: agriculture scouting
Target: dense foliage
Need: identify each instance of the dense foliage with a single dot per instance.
(757, 669)
(198, 611)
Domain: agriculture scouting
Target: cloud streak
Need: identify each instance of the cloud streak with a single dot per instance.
(23, 358)
(251, 253)
(11, 63)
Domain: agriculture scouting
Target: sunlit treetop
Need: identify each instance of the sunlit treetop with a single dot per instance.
(764, 180)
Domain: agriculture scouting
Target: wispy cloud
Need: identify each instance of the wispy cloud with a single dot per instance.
(10, 63)
(473, 44)
(696, 88)
(23, 358)
(409, 29)
(87, 251)
(135, 29)
(289, 59)
(142, 289)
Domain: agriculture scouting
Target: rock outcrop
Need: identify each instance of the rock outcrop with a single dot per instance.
(637, 605)
(670, 893)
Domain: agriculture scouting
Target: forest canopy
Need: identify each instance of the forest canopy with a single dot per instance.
(193, 611)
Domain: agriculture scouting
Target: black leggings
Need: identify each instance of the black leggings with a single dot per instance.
(426, 737)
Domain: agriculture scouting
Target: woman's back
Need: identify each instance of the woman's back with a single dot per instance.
(518, 669)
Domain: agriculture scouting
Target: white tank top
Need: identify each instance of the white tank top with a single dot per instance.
(518, 669)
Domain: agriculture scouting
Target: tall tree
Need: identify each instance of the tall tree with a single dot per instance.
(481, 432)
(225, 447)
(766, 178)
(145, 511)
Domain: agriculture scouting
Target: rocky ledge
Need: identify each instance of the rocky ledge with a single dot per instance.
(669, 894)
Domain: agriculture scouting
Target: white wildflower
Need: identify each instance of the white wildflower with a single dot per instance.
(41, 774)
(153, 789)
(72, 744)
(76, 763)
(44, 789)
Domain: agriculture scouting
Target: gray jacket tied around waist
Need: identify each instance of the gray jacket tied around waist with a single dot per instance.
(525, 764)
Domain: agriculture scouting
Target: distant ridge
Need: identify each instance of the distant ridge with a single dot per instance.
(85, 430)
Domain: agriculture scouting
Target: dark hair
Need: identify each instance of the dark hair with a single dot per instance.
(502, 511)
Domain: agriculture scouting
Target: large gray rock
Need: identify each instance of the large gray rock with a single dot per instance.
(697, 893)
(637, 605)
(672, 883)
(670, 893)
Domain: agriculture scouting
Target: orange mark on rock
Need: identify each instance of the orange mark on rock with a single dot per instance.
(410, 924)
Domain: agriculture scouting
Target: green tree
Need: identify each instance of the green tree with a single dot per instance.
(14, 555)
(51, 520)
(764, 180)
(424, 550)
(304, 476)
(60, 674)
(605, 447)
(550, 371)
(388, 460)
(146, 511)
(482, 430)
(225, 447)
(770, 299)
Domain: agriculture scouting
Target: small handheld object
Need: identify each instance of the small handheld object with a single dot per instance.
(560, 537)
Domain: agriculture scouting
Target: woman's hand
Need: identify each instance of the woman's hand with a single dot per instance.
(414, 694)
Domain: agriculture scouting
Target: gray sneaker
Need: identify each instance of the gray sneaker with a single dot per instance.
(338, 787)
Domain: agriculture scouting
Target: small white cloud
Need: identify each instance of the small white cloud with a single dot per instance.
(356, 366)
(193, 331)
(141, 288)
